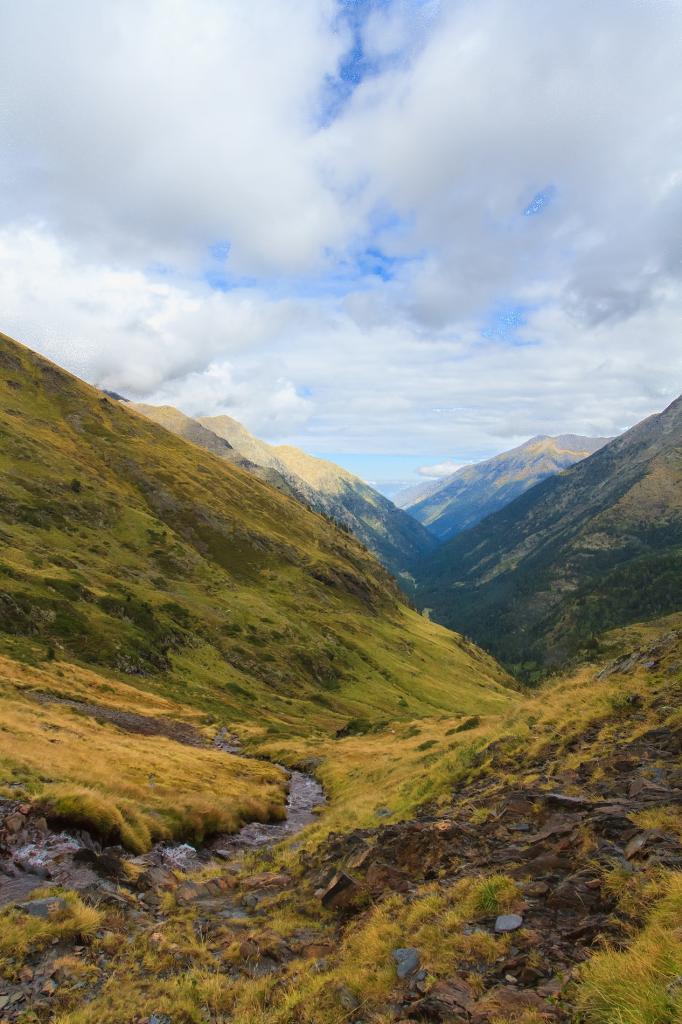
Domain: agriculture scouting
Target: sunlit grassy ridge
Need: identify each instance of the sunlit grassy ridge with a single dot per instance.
(129, 549)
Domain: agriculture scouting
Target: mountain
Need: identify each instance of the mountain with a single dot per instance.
(383, 528)
(391, 534)
(598, 546)
(461, 500)
(178, 423)
(131, 551)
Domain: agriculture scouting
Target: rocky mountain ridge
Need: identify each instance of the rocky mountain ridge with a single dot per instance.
(457, 502)
(392, 535)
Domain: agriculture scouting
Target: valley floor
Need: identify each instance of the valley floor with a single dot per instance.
(505, 869)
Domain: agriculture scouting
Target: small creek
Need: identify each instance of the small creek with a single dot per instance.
(59, 856)
(305, 793)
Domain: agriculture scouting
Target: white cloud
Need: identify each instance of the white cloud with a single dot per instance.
(440, 469)
(136, 135)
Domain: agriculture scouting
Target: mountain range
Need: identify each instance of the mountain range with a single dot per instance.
(177, 624)
(459, 501)
(594, 547)
(395, 537)
(129, 549)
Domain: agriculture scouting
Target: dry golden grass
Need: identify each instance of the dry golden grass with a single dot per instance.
(19, 932)
(127, 788)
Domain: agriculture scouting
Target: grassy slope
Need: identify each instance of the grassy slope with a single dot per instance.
(178, 577)
(597, 547)
(393, 535)
(573, 723)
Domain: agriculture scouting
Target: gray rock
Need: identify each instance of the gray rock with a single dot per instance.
(43, 908)
(160, 1018)
(348, 999)
(407, 961)
(508, 922)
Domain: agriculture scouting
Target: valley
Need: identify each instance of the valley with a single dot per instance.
(243, 780)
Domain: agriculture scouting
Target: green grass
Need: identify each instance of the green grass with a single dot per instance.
(132, 551)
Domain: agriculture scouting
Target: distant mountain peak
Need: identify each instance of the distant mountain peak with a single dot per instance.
(590, 549)
(459, 501)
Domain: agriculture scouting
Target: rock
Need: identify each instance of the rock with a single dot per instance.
(155, 878)
(570, 803)
(508, 1002)
(160, 1018)
(381, 876)
(348, 999)
(508, 922)
(15, 822)
(442, 1001)
(407, 960)
(180, 857)
(357, 860)
(635, 845)
(341, 892)
(272, 879)
(43, 908)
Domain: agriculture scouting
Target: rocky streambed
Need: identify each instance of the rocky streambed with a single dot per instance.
(33, 854)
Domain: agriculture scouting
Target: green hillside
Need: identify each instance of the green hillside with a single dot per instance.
(127, 549)
(597, 547)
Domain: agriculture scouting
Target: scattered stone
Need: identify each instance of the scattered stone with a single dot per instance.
(341, 892)
(348, 999)
(15, 822)
(635, 845)
(407, 960)
(570, 803)
(180, 857)
(508, 922)
(44, 908)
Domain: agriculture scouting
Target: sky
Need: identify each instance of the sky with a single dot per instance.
(405, 234)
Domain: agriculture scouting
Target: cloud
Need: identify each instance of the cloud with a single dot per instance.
(182, 219)
(440, 469)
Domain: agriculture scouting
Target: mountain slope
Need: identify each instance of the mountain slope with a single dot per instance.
(392, 535)
(131, 551)
(596, 547)
(460, 501)
(177, 422)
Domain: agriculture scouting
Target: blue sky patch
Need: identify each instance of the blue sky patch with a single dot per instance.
(540, 201)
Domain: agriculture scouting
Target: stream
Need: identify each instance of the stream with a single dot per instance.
(35, 854)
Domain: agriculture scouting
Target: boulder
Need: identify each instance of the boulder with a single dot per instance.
(341, 892)
(407, 960)
(508, 922)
